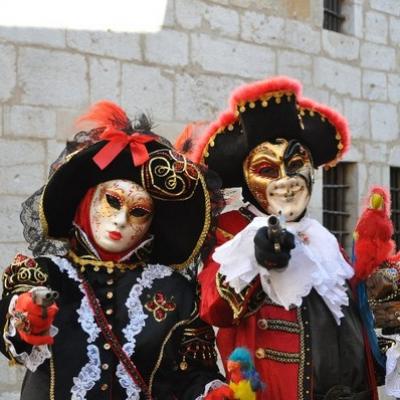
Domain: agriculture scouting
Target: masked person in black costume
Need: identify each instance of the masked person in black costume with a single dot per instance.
(121, 214)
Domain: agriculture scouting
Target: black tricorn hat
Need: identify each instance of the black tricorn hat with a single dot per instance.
(182, 206)
(265, 111)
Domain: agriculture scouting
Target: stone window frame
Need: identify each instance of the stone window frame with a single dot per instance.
(337, 209)
(395, 203)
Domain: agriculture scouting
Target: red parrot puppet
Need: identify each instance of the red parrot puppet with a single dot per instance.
(373, 233)
(373, 246)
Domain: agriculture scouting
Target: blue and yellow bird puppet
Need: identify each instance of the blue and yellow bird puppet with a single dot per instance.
(243, 379)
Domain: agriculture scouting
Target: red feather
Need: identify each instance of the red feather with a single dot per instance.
(253, 91)
(104, 114)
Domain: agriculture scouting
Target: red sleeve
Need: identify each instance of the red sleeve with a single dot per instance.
(220, 305)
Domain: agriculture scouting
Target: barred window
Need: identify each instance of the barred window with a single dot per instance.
(395, 195)
(332, 15)
(335, 207)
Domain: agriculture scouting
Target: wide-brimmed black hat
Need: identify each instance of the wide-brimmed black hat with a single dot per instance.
(265, 111)
(182, 206)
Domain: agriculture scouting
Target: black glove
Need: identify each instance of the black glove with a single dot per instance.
(266, 253)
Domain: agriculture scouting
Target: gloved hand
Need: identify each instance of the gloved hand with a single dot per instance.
(270, 255)
(33, 327)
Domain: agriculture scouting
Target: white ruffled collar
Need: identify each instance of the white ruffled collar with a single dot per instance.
(316, 262)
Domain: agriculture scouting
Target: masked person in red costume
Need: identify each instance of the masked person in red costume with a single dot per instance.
(281, 292)
(121, 214)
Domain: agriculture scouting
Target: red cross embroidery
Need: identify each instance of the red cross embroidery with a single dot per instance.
(160, 306)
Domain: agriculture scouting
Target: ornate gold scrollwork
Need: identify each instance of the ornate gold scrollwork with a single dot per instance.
(23, 274)
(168, 175)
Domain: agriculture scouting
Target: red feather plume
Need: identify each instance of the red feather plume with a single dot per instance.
(106, 113)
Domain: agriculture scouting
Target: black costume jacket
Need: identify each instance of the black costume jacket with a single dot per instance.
(152, 311)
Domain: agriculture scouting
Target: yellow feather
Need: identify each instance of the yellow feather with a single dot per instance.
(242, 390)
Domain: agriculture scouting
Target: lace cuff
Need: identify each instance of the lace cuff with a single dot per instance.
(38, 354)
(210, 387)
(392, 380)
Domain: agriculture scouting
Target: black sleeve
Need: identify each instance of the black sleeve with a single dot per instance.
(192, 349)
(198, 359)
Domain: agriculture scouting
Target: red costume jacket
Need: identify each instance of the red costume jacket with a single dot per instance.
(300, 353)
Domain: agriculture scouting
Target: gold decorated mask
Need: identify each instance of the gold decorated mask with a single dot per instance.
(280, 176)
(120, 215)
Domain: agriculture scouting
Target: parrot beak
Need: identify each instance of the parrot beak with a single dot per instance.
(232, 365)
(376, 202)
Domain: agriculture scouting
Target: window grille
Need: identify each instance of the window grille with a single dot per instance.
(335, 211)
(332, 15)
(395, 195)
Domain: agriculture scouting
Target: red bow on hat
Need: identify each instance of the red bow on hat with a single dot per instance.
(117, 141)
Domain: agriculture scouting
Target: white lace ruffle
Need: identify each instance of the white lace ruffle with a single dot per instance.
(316, 262)
(392, 380)
(90, 372)
(88, 376)
(87, 320)
(209, 387)
(136, 323)
(38, 354)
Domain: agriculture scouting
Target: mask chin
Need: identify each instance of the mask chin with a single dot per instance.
(289, 196)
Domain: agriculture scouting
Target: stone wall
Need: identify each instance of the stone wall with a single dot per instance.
(185, 72)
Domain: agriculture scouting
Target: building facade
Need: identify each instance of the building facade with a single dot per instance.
(185, 72)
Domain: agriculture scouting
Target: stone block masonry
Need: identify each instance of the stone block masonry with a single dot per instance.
(185, 72)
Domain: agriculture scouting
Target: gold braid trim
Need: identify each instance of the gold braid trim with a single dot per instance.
(257, 300)
(89, 261)
(52, 378)
(302, 354)
(204, 232)
(284, 326)
(280, 356)
(235, 300)
(225, 234)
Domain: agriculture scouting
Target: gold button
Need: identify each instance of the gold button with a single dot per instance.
(110, 295)
(106, 346)
(104, 387)
(105, 367)
(110, 282)
(260, 353)
(262, 323)
(109, 311)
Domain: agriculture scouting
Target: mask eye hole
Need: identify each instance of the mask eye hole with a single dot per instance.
(113, 201)
(267, 171)
(295, 165)
(139, 212)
